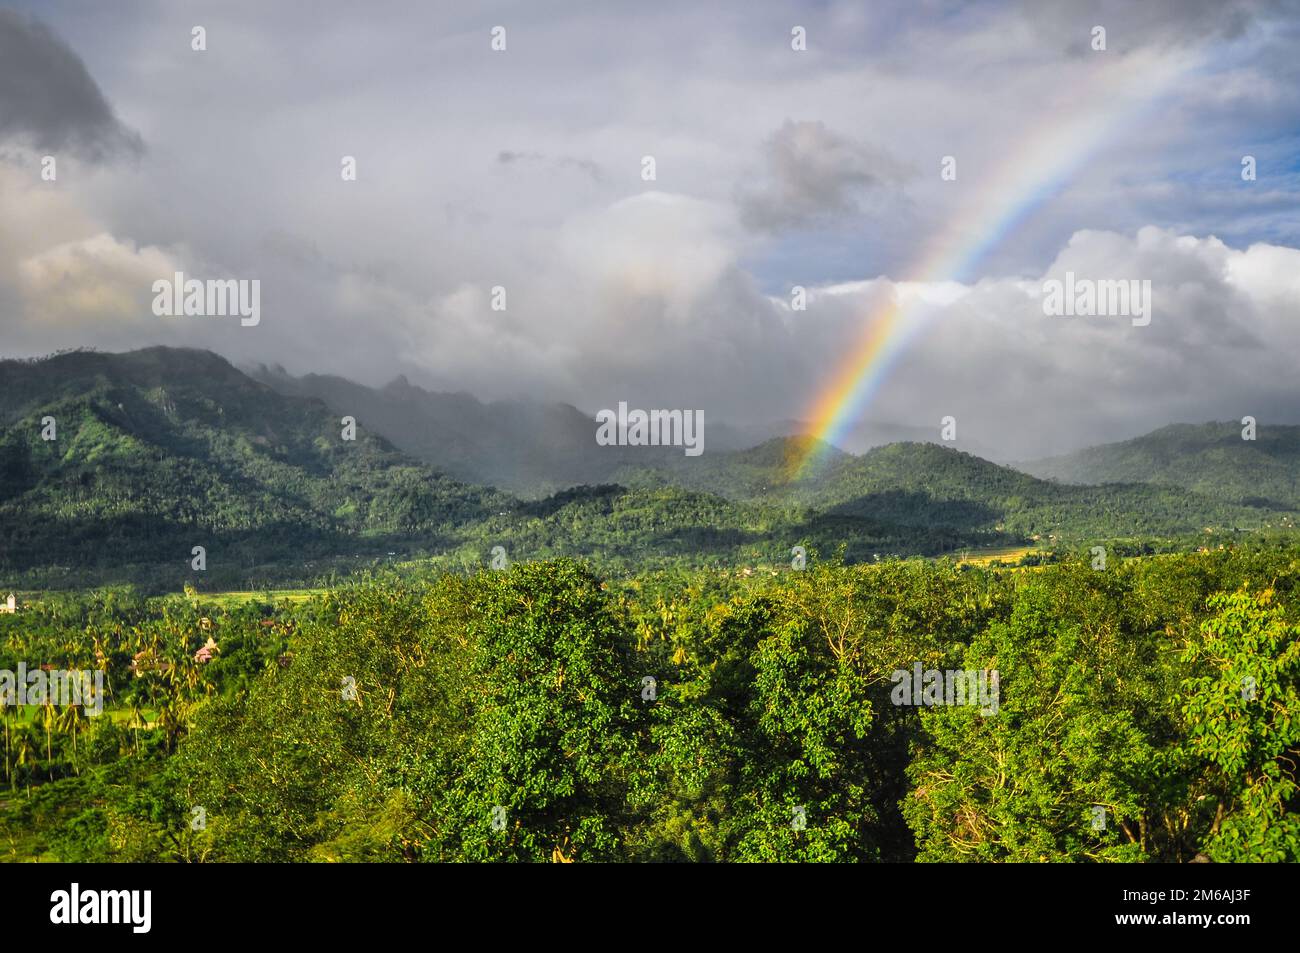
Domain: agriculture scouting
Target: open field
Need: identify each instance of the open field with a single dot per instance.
(236, 597)
(983, 557)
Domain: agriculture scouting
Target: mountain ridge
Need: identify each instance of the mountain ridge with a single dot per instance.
(162, 449)
(1209, 458)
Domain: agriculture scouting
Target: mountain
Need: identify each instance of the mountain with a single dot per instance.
(161, 450)
(904, 489)
(926, 486)
(531, 449)
(931, 485)
(525, 448)
(1211, 459)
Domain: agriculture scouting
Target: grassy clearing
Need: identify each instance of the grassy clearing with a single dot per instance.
(119, 714)
(982, 557)
(247, 595)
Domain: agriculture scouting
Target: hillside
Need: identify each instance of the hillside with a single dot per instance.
(1211, 459)
(926, 484)
(925, 487)
(161, 450)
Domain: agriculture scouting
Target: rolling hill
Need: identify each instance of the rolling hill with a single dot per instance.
(1210, 459)
(161, 450)
(926, 486)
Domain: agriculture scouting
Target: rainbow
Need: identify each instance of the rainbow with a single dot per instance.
(1115, 95)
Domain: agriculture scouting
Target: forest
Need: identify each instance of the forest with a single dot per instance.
(546, 712)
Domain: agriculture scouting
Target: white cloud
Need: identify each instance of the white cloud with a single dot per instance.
(657, 292)
(93, 282)
(1222, 343)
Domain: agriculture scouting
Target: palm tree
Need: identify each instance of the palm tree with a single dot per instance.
(136, 721)
(9, 766)
(48, 717)
(70, 721)
(26, 754)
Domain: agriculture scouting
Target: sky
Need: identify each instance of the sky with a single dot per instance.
(523, 169)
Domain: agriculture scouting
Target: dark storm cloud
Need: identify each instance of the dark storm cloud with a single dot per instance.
(1131, 25)
(814, 175)
(48, 99)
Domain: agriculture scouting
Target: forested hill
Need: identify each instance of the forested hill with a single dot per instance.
(1211, 459)
(161, 450)
(925, 485)
(157, 451)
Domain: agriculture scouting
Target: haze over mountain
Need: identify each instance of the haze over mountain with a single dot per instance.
(534, 448)
(159, 450)
(530, 448)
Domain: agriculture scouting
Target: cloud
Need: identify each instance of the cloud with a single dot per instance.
(49, 100)
(775, 168)
(814, 175)
(586, 166)
(1153, 22)
(92, 283)
(1220, 344)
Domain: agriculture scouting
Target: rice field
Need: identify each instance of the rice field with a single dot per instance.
(982, 557)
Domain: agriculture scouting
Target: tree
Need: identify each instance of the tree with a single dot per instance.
(1243, 718)
(1071, 766)
(554, 714)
